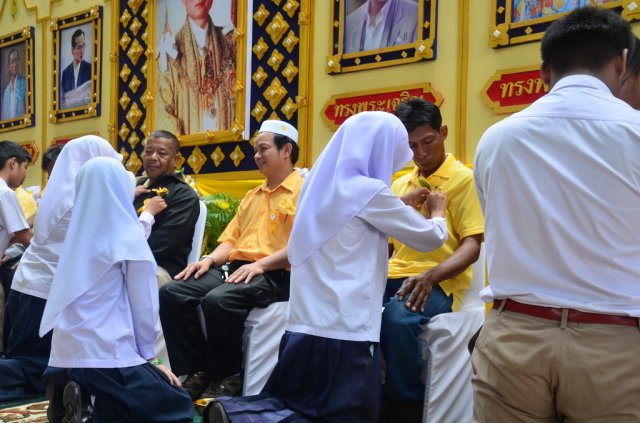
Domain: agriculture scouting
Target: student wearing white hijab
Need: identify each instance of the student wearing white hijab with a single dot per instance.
(329, 367)
(26, 353)
(103, 309)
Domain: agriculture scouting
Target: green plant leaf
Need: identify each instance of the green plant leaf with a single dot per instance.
(221, 208)
(424, 184)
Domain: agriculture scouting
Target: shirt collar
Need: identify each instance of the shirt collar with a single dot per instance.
(444, 171)
(163, 179)
(382, 15)
(581, 80)
(200, 34)
(3, 183)
(289, 183)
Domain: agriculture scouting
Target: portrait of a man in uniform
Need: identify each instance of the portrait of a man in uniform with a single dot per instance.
(196, 65)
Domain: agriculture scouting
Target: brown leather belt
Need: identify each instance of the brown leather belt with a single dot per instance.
(573, 316)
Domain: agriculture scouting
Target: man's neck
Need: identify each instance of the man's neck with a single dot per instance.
(274, 180)
(76, 64)
(425, 174)
(5, 177)
(374, 9)
(201, 22)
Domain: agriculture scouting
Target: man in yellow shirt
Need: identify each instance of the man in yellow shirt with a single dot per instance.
(426, 284)
(254, 243)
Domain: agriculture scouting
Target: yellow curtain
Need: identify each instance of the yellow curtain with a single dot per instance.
(211, 184)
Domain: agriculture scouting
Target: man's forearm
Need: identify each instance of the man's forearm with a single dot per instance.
(277, 260)
(463, 257)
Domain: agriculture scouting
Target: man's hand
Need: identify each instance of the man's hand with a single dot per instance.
(436, 204)
(200, 268)
(141, 189)
(173, 379)
(415, 198)
(246, 273)
(5, 258)
(155, 205)
(420, 287)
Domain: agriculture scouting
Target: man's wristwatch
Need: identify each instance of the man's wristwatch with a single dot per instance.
(210, 257)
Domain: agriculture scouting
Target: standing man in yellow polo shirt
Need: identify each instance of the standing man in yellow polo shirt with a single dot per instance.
(254, 243)
(426, 284)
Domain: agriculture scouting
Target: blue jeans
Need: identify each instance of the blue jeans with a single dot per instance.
(401, 346)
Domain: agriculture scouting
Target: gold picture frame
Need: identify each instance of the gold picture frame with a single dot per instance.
(76, 89)
(402, 40)
(514, 24)
(17, 77)
(227, 100)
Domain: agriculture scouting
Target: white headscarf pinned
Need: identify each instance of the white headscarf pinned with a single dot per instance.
(358, 162)
(57, 198)
(103, 231)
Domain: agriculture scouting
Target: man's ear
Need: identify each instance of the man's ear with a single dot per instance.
(12, 162)
(621, 63)
(288, 148)
(444, 132)
(545, 74)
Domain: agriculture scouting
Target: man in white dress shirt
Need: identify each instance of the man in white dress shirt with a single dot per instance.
(381, 23)
(559, 184)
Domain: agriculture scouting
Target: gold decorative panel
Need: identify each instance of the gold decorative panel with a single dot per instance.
(196, 159)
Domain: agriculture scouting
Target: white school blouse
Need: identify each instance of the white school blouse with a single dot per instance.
(11, 215)
(34, 275)
(337, 292)
(113, 324)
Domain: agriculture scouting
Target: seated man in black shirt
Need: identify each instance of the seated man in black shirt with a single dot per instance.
(172, 233)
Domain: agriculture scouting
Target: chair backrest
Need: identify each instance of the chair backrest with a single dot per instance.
(198, 234)
(472, 297)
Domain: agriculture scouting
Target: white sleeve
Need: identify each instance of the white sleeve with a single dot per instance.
(388, 214)
(11, 213)
(142, 290)
(146, 220)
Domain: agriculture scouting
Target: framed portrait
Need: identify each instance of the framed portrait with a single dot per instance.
(403, 31)
(198, 75)
(521, 21)
(77, 58)
(17, 76)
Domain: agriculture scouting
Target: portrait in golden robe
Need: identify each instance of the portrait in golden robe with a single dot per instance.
(195, 65)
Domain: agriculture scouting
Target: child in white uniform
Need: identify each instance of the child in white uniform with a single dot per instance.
(329, 367)
(103, 309)
(13, 169)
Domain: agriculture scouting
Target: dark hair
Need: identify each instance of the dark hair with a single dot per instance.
(76, 34)
(633, 59)
(417, 112)
(13, 50)
(9, 149)
(282, 140)
(587, 38)
(51, 155)
(161, 133)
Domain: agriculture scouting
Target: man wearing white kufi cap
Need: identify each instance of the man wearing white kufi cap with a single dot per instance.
(254, 246)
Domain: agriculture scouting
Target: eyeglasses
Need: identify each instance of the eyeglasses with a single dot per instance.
(80, 47)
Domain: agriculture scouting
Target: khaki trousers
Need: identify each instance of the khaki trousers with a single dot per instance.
(528, 369)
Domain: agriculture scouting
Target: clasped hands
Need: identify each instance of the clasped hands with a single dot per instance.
(431, 203)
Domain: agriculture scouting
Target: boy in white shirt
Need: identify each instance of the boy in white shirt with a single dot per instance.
(14, 161)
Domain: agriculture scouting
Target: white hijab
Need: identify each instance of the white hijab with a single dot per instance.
(103, 231)
(358, 163)
(57, 198)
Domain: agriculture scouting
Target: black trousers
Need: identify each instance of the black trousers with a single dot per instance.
(225, 307)
(27, 355)
(136, 394)
(6, 274)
